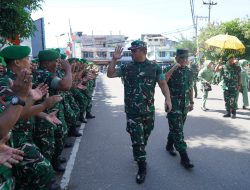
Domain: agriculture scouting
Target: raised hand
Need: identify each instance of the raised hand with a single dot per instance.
(117, 53)
(82, 87)
(39, 92)
(52, 118)
(22, 85)
(50, 101)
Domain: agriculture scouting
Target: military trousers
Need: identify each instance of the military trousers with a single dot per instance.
(231, 99)
(6, 178)
(139, 127)
(176, 121)
(34, 171)
(44, 137)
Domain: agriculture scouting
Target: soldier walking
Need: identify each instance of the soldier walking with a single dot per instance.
(180, 81)
(140, 77)
(231, 75)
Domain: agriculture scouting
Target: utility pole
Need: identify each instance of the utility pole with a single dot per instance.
(210, 4)
(196, 30)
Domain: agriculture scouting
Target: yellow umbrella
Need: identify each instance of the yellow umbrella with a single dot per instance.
(226, 42)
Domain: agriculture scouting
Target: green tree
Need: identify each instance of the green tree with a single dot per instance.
(15, 19)
(236, 27)
(188, 44)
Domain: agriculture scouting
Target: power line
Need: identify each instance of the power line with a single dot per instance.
(210, 4)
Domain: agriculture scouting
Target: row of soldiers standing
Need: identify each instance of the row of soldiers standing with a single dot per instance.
(60, 101)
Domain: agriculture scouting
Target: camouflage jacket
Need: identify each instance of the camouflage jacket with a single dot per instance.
(42, 75)
(230, 75)
(180, 84)
(195, 70)
(139, 86)
(22, 125)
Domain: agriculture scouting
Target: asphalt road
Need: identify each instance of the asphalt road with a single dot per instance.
(219, 147)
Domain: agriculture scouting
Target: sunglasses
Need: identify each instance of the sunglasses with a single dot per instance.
(134, 50)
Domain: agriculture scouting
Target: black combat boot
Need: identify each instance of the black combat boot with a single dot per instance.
(142, 171)
(73, 132)
(233, 114)
(82, 118)
(58, 167)
(89, 115)
(78, 124)
(228, 114)
(62, 159)
(185, 160)
(170, 148)
(68, 144)
(53, 185)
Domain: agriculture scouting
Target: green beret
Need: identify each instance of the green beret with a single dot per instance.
(71, 60)
(63, 56)
(90, 63)
(2, 62)
(48, 55)
(83, 60)
(15, 52)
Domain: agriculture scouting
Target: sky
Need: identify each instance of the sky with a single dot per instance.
(132, 17)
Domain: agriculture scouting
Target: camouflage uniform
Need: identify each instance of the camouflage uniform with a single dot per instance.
(34, 171)
(139, 85)
(195, 70)
(180, 84)
(50, 138)
(230, 75)
(6, 178)
(90, 90)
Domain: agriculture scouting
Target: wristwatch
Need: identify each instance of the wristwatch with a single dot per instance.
(17, 101)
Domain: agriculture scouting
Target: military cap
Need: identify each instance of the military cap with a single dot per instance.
(15, 52)
(2, 62)
(138, 44)
(63, 56)
(230, 56)
(48, 55)
(182, 53)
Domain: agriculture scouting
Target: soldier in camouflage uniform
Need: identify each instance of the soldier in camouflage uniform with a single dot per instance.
(34, 171)
(195, 70)
(180, 81)
(9, 117)
(140, 77)
(50, 138)
(71, 109)
(231, 75)
(90, 89)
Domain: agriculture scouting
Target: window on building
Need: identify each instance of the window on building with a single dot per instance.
(87, 54)
(111, 54)
(162, 54)
(101, 54)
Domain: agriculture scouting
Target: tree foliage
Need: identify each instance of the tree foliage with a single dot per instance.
(188, 44)
(15, 18)
(236, 27)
